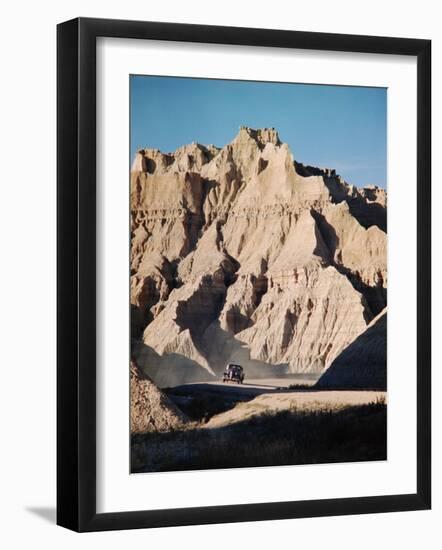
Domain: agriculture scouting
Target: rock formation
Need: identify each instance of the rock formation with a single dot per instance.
(151, 410)
(241, 253)
(363, 364)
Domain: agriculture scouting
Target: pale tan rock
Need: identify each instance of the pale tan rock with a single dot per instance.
(188, 312)
(150, 409)
(241, 252)
(356, 248)
(307, 317)
(242, 298)
(360, 253)
(373, 193)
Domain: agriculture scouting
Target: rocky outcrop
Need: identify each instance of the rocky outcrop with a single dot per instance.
(357, 252)
(151, 410)
(242, 252)
(362, 364)
(305, 319)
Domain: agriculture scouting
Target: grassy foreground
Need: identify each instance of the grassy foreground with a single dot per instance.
(352, 434)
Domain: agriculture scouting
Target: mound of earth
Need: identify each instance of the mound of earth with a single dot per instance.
(363, 364)
(151, 410)
(295, 401)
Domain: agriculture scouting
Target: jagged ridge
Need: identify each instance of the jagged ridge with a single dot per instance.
(243, 253)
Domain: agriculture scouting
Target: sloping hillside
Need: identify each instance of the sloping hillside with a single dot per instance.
(363, 364)
(151, 410)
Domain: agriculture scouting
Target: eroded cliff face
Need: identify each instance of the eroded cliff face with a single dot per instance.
(242, 254)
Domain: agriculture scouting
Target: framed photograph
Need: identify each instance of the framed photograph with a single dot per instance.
(233, 204)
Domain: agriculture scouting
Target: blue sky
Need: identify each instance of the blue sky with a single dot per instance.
(328, 126)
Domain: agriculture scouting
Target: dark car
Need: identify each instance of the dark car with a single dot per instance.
(233, 373)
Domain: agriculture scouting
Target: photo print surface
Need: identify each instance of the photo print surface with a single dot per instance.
(258, 275)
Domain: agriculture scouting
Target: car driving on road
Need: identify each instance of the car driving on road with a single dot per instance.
(233, 373)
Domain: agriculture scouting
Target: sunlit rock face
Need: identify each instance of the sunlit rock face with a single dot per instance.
(243, 254)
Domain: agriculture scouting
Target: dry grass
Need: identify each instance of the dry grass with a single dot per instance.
(269, 438)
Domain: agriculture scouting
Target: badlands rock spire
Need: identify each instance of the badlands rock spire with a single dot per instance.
(241, 253)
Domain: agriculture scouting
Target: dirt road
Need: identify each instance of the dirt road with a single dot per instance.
(251, 387)
(228, 403)
(228, 389)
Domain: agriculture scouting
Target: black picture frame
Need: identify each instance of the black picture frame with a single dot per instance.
(76, 274)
